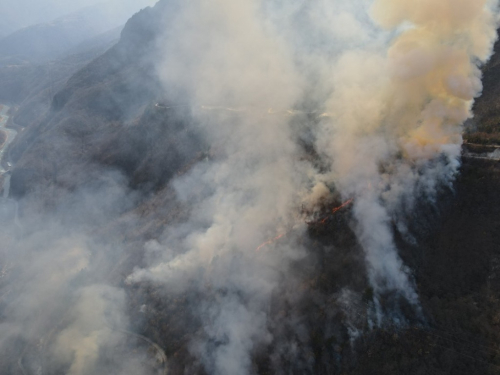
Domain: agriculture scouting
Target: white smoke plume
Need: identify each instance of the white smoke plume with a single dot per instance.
(388, 106)
(240, 78)
(62, 311)
(396, 118)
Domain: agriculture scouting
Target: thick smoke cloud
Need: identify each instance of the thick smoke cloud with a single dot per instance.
(394, 134)
(301, 103)
(240, 79)
(62, 307)
(389, 105)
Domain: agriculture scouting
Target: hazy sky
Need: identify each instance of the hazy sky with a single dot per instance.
(15, 14)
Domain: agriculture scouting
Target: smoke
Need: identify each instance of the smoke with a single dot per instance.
(388, 107)
(394, 134)
(301, 103)
(239, 78)
(62, 308)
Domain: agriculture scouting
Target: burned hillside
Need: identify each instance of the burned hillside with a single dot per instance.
(193, 207)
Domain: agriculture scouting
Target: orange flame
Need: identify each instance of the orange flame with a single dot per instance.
(334, 210)
(270, 241)
(345, 204)
(323, 221)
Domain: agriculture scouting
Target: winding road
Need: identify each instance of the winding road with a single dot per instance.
(4, 199)
(161, 357)
(494, 153)
(269, 111)
(11, 134)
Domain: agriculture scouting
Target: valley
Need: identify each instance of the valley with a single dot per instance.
(10, 136)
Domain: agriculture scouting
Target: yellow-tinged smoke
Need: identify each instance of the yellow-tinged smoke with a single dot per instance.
(467, 22)
(397, 114)
(432, 66)
(389, 131)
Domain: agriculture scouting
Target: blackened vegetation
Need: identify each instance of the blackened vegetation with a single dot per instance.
(484, 128)
(170, 322)
(455, 269)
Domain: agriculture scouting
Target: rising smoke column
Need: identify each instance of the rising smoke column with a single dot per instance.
(394, 134)
(239, 78)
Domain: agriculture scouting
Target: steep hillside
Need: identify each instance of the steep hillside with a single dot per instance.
(107, 114)
(32, 87)
(485, 127)
(113, 118)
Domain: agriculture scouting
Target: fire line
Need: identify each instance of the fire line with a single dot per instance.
(345, 204)
(270, 241)
(323, 221)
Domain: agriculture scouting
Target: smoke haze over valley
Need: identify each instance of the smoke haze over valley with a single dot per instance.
(249, 187)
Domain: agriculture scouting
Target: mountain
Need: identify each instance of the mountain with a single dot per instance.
(23, 13)
(31, 86)
(118, 89)
(46, 41)
(112, 118)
